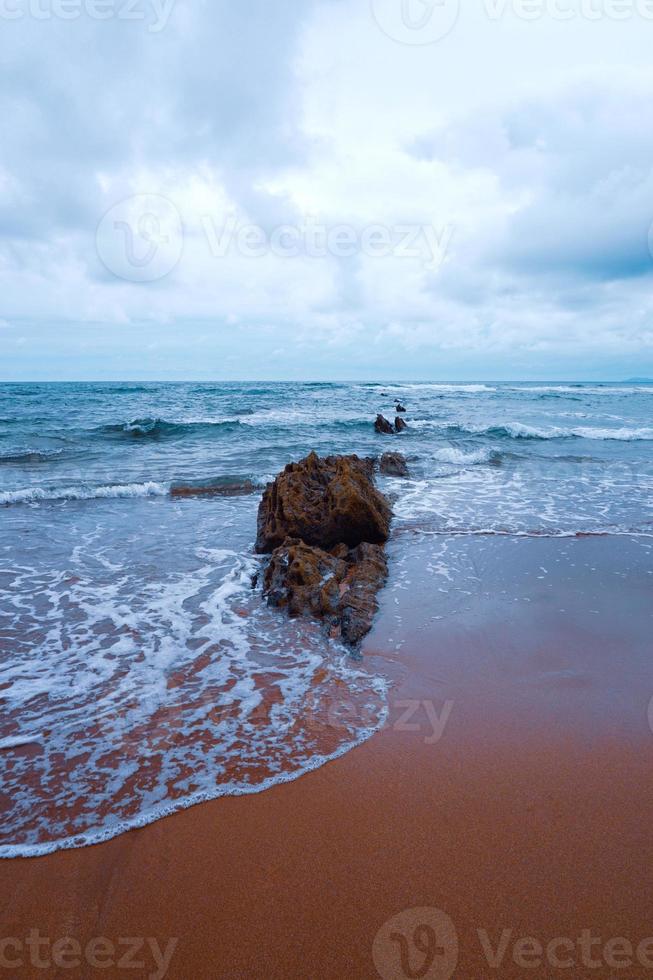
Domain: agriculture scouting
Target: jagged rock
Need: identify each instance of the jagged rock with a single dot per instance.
(359, 604)
(340, 591)
(323, 502)
(400, 425)
(325, 523)
(400, 408)
(383, 427)
(304, 579)
(393, 464)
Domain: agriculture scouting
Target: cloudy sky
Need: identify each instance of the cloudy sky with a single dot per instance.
(326, 189)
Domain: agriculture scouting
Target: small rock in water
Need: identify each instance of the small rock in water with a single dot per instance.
(383, 427)
(400, 425)
(400, 408)
(214, 490)
(393, 464)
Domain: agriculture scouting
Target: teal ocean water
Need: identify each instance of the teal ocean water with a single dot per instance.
(140, 671)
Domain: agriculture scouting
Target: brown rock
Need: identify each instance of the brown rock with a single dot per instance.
(400, 425)
(323, 502)
(307, 580)
(393, 464)
(359, 604)
(383, 427)
(304, 579)
(400, 409)
(325, 523)
(213, 490)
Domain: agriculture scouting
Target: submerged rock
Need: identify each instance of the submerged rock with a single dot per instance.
(213, 490)
(325, 523)
(393, 464)
(383, 427)
(400, 425)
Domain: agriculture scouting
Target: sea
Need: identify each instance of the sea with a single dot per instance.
(140, 669)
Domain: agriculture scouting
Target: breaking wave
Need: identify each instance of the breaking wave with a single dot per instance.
(155, 428)
(35, 495)
(517, 430)
(30, 455)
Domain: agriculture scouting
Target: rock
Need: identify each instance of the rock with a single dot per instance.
(213, 490)
(400, 425)
(325, 523)
(304, 579)
(341, 592)
(383, 427)
(400, 408)
(359, 604)
(323, 502)
(393, 464)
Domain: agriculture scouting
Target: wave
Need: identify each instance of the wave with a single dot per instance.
(581, 389)
(458, 456)
(517, 430)
(125, 390)
(465, 388)
(35, 495)
(30, 455)
(156, 428)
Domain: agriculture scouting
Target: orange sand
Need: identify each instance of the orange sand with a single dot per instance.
(513, 820)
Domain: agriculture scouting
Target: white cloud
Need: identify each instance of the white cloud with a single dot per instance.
(529, 141)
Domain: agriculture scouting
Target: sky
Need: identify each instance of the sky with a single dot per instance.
(326, 189)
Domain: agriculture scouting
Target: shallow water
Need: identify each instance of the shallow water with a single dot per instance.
(139, 670)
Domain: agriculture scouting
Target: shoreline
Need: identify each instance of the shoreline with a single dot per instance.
(528, 809)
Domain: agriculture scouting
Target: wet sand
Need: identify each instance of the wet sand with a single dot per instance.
(511, 790)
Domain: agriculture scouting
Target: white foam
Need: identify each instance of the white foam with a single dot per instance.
(31, 495)
(178, 678)
(519, 430)
(451, 454)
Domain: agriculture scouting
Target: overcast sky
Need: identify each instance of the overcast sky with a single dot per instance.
(326, 189)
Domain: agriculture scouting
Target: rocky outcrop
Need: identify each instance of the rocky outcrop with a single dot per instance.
(399, 408)
(400, 425)
(324, 524)
(341, 591)
(383, 427)
(393, 464)
(323, 502)
(213, 490)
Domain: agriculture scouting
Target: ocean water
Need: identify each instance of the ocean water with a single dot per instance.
(140, 671)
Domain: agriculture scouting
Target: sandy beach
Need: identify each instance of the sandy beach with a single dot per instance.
(510, 791)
